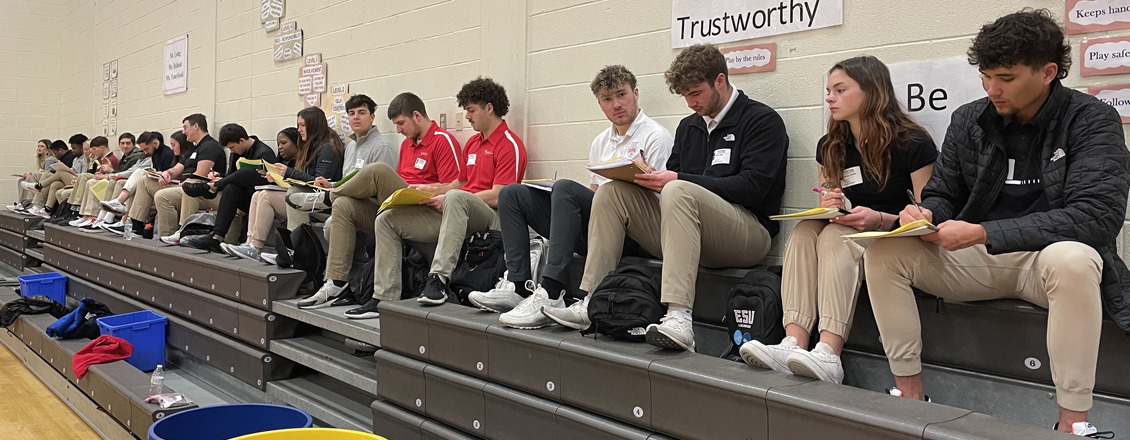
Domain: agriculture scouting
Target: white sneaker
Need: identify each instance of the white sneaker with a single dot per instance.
(40, 211)
(269, 258)
(527, 314)
(80, 222)
(770, 357)
(15, 207)
(106, 216)
(323, 297)
(576, 316)
(501, 299)
(29, 186)
(171, 239)
(1086, 429)
(674, 331)
(820, 363)
(114, 206)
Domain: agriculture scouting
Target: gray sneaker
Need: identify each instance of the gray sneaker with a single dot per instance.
(576, 316)
(245, 250)
(269, 258)
(309, 202)
(527, 315)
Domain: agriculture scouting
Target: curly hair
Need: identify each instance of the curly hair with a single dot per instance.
(483, 91)
(612, 77)
(695, 65)
(1030, 37)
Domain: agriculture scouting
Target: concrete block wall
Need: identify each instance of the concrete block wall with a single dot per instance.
(545, 52)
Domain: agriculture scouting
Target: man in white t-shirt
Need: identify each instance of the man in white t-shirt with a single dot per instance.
(562, 215)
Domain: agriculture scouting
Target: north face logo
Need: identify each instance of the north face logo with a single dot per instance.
(744, 318)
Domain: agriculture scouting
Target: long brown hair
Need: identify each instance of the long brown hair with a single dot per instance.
(318, 133)
(40, 158)
(882, 122)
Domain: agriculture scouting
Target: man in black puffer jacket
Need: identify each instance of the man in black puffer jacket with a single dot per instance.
(1029, 194)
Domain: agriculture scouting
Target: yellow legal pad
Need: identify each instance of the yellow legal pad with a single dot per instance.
(811, 214)
(405, 196)
(912, 229)
(620, 168)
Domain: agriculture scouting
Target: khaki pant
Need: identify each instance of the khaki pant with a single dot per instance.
(463, 214)
(821, 277)
(142, 199)
(1063, 278)
(63, 194)
(36, 177)
(91, 204)
(266, 206)
(686, 225)
(75, 197)
(355, 206)
(174, 208)
(48, 196)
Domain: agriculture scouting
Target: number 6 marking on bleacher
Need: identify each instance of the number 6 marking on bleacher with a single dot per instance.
(1032, 363)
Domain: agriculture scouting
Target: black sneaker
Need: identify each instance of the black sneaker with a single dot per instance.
(367, 311)
(435, 291)
(198, 189)
(345, 299)
(204, 242)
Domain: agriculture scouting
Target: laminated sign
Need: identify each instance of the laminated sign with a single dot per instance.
(1117, 96)
(270, 12)
(176, 66)
(723, 21)
(1084, 16)
(288, 45)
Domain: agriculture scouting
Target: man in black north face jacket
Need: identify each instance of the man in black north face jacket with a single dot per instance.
(1028, 195)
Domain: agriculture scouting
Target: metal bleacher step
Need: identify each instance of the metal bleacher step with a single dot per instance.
(37, 234)
(329, 357)
(332, 319)
(327, 400)
(34, 253)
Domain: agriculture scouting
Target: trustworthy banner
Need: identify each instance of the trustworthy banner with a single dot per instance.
(722, 21)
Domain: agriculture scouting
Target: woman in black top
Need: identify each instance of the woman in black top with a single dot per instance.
(872, 155)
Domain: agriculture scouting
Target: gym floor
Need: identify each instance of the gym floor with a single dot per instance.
(30, 411)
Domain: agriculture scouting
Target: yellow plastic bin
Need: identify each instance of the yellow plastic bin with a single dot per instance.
(311, 434)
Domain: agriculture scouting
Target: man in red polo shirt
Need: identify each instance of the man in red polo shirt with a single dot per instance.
(494, 158)
(428, 155)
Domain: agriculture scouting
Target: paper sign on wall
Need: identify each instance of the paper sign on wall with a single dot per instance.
(176, 65)
(721, 21)
(751, 59)
(106, 72)
(105, 90)
(1117, 96)
(114, 69)
(1096, 15)
(314, 100)
(113, 88)
(270, 12)
(288, 45)
(1104, 56)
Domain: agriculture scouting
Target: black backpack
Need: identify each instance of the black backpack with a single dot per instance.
(481, 264)
(414, 273)
(754, 311)
(301, 249)
(625, 303)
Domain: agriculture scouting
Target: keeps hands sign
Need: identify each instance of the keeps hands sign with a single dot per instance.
(1096, 15)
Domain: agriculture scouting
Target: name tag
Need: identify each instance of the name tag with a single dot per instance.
(193, 155)
(471, 159)
(420, 163)
(721, 156)
(852, 177)
(360, 163)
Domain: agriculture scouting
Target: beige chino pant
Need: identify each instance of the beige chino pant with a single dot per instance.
(1063, 278)
(265, 207)
(463, 214)
(821, 277)
(142, 199)
(687, 226)
(355, 207)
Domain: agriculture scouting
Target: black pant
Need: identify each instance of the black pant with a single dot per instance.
(238, 187)
(567, 209)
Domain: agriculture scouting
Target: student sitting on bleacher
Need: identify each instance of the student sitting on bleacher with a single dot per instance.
(320, 153)
(366, 146)
(42, 153)
(90, 203)
(872, 155)
(428, 155)
(61, 154)
(562, 215)
(496, 157)
(1028, 195)
(99, 160)
(239, 185)
(725, 177)
(159, 157)
(201, 155)
(126, 179)
(49, 187)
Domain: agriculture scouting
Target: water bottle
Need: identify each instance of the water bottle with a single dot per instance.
(128, 228)
(157, 381)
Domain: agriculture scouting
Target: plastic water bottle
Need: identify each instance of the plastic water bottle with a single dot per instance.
(157, 381)
(128, 227)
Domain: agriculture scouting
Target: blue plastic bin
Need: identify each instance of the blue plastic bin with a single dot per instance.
(223, 422)
(52, 284)
(144, 330)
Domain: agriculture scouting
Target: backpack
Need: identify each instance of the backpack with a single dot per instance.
(413, 270)
(754, 311)
(481, 264)
(30, 305)
(625, 303)
(198, 224)
(301, 249)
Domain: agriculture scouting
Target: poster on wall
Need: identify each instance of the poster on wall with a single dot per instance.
(931, 90)
(113, 88)
(288, 45)
(176, 65)
(114, 69)
(1117, 96)
(1084, 16)
(1104, 56)
(751, 59)
(270, 12)
(106, 72)
(105, 90)
(722, 21)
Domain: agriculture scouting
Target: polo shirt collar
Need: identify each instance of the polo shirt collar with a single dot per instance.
(499, 132)
(428, 135)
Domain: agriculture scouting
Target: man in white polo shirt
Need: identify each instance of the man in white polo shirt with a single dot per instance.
(562, 215)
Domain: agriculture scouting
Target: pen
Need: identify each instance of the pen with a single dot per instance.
(910, 194)
(825, 193)
(555, 176)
